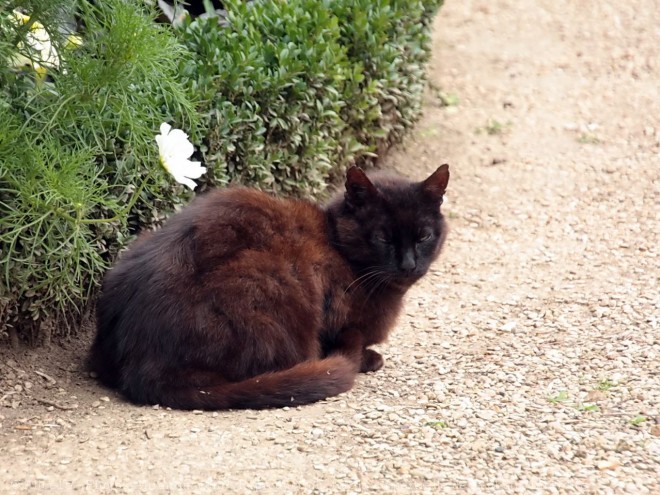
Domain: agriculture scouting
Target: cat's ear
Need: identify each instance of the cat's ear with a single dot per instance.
(436, 184)
(359, 188)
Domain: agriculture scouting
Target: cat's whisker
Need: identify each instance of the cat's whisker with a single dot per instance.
(361, 278)
(381, 283)
(367, 281)
(376, 281)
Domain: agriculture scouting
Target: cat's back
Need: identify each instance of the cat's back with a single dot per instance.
(230, 223)
(224, 238)
(220, 224)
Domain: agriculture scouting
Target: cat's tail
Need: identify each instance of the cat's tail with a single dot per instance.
(306, 382)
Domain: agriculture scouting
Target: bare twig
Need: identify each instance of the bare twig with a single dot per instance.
(48, 378)
(11, 392)
(63, 407)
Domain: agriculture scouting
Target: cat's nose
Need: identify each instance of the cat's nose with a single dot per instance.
(408, 263)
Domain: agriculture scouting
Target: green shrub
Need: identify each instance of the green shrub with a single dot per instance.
(77, 152)
(271, 80)
(388, 45)
(295, 91)
(279, 94)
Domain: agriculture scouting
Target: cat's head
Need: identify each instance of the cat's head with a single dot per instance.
(389, 226)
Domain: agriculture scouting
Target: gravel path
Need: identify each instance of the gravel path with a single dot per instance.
(526, 362)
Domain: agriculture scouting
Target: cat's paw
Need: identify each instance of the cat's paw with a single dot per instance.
(371, 361)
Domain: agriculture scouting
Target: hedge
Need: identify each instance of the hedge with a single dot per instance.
(281, 95)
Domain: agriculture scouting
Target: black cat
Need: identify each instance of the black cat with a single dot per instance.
(244, 300)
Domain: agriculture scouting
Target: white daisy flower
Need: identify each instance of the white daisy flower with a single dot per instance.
(175, 150)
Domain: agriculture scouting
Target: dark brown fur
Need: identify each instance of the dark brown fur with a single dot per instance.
(244, 300)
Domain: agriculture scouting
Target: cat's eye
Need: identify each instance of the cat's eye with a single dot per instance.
(424, 236)
(383, 238)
